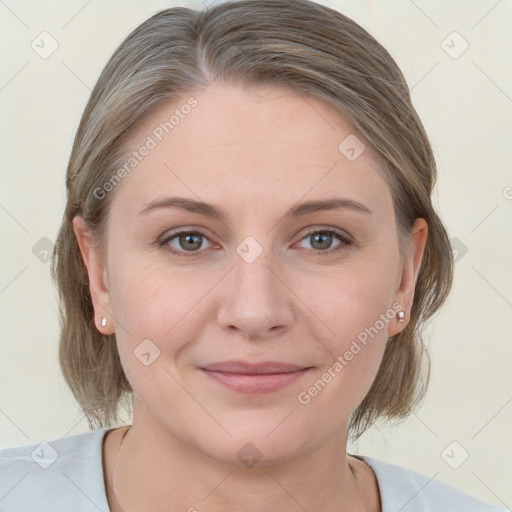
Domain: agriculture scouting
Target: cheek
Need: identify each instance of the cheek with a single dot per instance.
(355, 307)
(352, 297)
(153, 324)
(338, 310)
(149, 295)
(153, 302)
(153, 298)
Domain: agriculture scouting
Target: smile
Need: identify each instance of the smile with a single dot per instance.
(254, 378)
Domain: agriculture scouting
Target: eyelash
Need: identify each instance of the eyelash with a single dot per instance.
(346, 242)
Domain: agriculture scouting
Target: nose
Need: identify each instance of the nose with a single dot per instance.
(259, 303)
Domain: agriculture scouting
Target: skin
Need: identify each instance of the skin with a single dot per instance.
(254, 153)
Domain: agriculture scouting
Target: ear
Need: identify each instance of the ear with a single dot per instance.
(404, 295)
(96, 271)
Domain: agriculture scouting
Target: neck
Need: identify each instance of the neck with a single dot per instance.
(154, 471)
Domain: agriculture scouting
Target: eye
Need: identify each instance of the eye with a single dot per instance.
(190, 243)
(187, 243)
(321, 241)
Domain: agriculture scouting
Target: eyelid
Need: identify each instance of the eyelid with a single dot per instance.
(345, 239)
(337, 231)
(171, 234)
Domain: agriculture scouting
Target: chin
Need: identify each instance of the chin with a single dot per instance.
(257, 439)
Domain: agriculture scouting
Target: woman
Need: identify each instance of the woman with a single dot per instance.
(248, 252)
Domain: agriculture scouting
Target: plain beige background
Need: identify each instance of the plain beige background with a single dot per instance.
(464, 97)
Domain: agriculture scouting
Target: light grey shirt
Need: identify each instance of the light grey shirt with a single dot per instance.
(66, 475)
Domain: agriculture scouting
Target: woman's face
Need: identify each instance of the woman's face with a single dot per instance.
(261, 280)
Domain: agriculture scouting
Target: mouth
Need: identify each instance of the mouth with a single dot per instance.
(252, 378)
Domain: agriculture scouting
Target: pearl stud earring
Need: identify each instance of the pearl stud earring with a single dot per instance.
(401, 316)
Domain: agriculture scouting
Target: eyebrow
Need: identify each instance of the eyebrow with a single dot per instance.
(209, 210)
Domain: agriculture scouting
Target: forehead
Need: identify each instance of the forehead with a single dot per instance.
(246, 147)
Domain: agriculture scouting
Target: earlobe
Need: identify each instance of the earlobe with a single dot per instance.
(410, 270)
(97, 273)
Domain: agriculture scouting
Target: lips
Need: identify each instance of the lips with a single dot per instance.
(243, 368)
(254, 378)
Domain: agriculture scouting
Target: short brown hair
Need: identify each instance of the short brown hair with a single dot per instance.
(317, 52)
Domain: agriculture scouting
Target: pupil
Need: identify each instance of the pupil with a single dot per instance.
(322, 237)
(190, 241)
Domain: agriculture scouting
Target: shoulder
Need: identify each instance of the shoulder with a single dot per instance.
(406, 490)
(57, 475)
